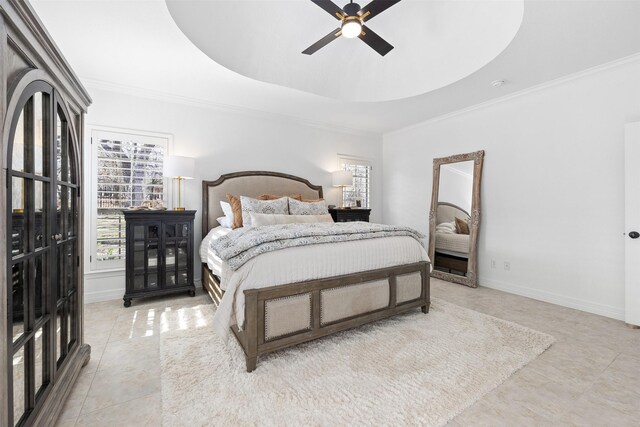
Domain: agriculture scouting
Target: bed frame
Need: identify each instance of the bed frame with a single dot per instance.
(282, 316)
(451, 261)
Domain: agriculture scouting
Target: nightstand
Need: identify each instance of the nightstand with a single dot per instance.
(353, 214)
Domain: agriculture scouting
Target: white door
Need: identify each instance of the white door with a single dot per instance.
(632, 223)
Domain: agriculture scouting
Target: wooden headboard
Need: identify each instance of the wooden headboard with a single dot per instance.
(447, 212)
(252, 184)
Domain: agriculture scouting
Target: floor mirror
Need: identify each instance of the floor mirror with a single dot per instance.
(454, 218)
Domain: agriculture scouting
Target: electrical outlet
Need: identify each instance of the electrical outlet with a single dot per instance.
(507, 265)
(493, 263)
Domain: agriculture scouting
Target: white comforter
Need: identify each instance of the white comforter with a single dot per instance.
(303, 263)
(208, 255)
(458, 243)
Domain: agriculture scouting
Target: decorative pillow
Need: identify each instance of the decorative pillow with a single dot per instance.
(461, 226)
(248, 205)
(227, 211)
(236, 208)
(258, 219)
(310, 200)
(273, 197)
(307, 208)
(447, 227)
(225, 221)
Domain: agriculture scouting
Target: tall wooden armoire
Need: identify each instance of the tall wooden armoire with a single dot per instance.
(42, 107)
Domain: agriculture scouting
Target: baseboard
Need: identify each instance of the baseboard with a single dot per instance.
(106, 295)
(550, 297)
(112, 294)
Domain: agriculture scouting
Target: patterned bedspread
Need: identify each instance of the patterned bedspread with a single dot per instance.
(243, 244)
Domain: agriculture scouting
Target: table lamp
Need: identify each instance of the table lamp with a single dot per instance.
(179, 168)
(342, 179)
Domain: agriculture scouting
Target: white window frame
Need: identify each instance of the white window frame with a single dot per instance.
(91, 194)
(357, 160)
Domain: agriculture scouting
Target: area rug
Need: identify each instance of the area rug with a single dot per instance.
(414, 369)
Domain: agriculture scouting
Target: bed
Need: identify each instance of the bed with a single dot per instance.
(451, 248)
(294, 295)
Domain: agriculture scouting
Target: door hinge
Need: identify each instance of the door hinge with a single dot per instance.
(90, 258)
(78, 261)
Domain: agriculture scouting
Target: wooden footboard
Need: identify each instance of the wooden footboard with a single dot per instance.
(282, 316)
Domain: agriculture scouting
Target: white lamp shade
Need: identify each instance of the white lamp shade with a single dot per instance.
(179, 167)
(342, 178)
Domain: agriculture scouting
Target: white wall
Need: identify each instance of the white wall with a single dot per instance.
(552, 190)
(224, 142)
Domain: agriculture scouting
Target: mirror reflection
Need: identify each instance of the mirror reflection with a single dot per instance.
(454, 217)
(452, 231)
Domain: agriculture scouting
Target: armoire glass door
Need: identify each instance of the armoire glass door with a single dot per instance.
(42, 249)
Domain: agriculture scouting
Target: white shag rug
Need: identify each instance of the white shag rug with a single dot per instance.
(414, 369)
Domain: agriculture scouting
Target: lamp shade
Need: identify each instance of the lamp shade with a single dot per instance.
(179, 167)
(342, 178)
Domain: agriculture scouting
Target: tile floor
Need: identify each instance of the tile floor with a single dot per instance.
(590, 376)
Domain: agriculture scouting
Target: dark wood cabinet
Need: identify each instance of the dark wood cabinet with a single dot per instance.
(159, 253)
(42, 111)
(346, 215)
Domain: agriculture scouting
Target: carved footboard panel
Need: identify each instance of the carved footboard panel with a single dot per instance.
(282, 316)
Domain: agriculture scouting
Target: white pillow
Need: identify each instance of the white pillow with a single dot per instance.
(446, 227)
(445, 231)
(227, 210)
(249, 205)
(225, 221)
(297, 207)
(258, 219)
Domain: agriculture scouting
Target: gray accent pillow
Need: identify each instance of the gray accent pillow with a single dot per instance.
(277, 206)
(307, 208)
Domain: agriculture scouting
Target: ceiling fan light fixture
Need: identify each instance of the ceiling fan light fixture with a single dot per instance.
(352, 19)
(351, 28)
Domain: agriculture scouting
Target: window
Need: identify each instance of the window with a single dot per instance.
(361, 189)
(128, 172)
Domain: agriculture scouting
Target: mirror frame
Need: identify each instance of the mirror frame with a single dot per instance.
(471, 279)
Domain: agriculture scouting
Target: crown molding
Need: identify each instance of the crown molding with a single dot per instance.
(221, 107)
(285, 118)
(537, 88)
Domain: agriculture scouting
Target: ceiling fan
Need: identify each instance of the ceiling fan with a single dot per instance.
(352, 19)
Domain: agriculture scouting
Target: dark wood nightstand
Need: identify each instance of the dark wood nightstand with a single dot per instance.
(353, 214)
(159, 253)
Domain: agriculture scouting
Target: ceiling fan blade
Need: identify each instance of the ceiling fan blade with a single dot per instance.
(376, 42)
(323, 42)
(330, 7)
(376, 7)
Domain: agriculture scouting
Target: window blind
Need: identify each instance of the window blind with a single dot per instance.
(361, 189)
(129, 172)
